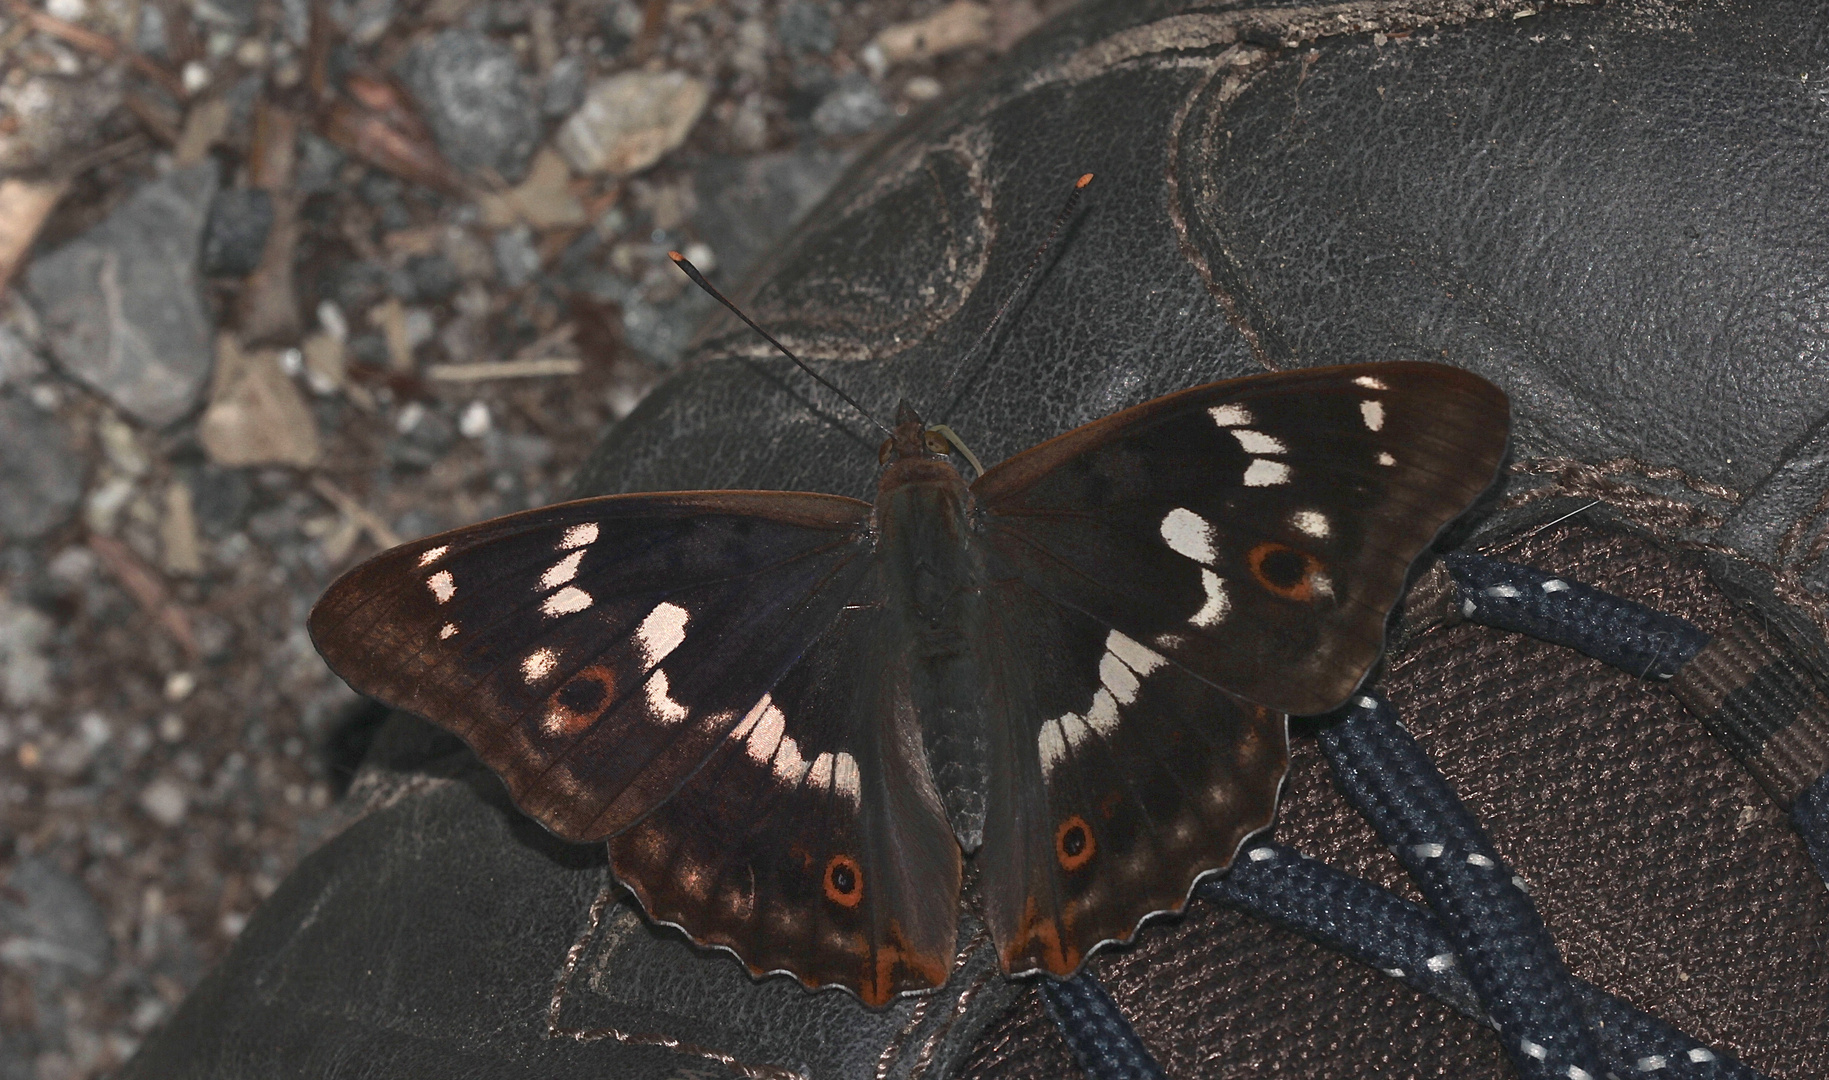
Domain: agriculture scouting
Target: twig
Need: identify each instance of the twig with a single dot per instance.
(506, 369)
(377, 529)
(147, 588)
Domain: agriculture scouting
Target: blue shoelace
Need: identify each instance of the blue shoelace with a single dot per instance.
(1478, 943)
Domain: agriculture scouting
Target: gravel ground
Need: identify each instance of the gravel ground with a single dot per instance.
(283, 284)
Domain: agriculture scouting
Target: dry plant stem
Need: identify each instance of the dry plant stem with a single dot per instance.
(99, 44)
(506, 369)
(351, 508)
(147, 588)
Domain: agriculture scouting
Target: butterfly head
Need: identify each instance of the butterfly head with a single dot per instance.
(912, 439)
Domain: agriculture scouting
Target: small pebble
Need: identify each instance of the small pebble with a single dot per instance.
(164, 801)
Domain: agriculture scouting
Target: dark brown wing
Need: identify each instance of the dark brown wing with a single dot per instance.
(1256, 531)
(1171, 580)
(602, 655)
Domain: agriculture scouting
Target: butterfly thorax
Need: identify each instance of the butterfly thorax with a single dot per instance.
(933, 575)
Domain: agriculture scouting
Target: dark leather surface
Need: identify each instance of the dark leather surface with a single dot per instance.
(1612, 212)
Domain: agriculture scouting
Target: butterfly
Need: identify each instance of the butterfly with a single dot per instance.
(795, 717)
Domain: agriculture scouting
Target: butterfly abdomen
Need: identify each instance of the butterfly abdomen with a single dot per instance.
(935, 583)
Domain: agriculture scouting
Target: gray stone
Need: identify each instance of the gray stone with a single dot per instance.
(472, 95)
(220, 498)
(236, 232)
(516, 259)
(564, 87)
(227, 14)
(52, 116)
(804, 26)
(662, 331)
(50, 924)
(25, 667)
(120, 306)
(853, 107)
(355, 286)
(19, 362)
(364, 20)
(41, 471)
(433, 278)
(747, 204)
(319, 161)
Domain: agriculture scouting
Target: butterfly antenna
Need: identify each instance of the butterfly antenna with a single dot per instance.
(699, 280)
(1022, 286)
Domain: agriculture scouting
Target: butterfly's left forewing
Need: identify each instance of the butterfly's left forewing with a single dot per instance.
(1170, 581)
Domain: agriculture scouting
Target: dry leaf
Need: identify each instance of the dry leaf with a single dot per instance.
(204, 126)
(256, 414)
(24, 205)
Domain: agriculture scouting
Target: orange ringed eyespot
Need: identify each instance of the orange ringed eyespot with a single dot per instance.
(1073, 843)
(1283, 570)
(844, 881)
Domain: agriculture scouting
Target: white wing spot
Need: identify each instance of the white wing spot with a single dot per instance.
(560, 572)
(1119, 678)
(447, 631)
(1051, 744)
(1256, 442)
(661, 632)
(1369, 383)
(538, 665)
(846, 778)
(1386, 459)
(579, 536)
(1440, 962)
(1218, 603)
(1230, 415)
(1139, 658)
(1189, 534)
(662, 709)
(567, 601)
(761, 730)
(443, 586)
(1266, 473)
(790, 766)
(1103, 716)
(1373, 412)
(1312, 522)
(820, 775)
(433, 555)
